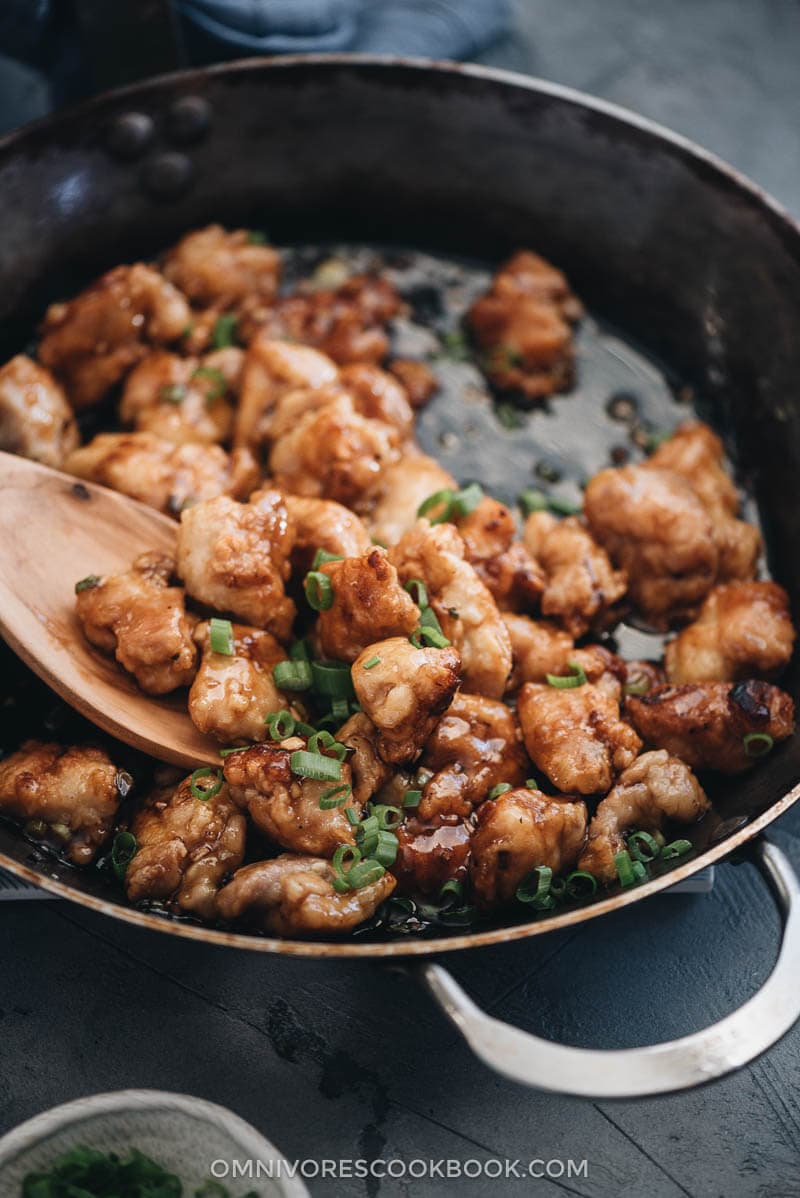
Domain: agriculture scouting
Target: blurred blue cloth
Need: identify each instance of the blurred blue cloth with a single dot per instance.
(432, 28)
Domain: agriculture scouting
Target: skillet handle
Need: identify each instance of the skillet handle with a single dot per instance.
(660, 1068)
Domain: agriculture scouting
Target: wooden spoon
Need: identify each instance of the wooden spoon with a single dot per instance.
(53, 531)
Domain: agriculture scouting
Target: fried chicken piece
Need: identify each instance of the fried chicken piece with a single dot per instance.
(517, 832)
(323, 524)
(522, 325)
(744, 630)
(214, 266)
(706, 723)
(164, 476)
(67, 795)
(379, 395)
(369, 605)
(272, 369)
(539, 648)
(283, 805)
(293, 895)
(333, 452)
(430, 854)
(465, 607)
(582, 587)
(696, 453)
(185, 848)
(35, 419)
(92, 341)
(141, 617)
(234, 557)
(575, 736)
(368, 770)
(656, 788)
(419, 381)
(404, 693)
(183, 400)
(399, 491)
(500, 560)
(655, 528)
(474, 747)
(231, 696)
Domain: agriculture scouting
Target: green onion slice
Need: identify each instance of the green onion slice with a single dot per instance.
(322, 556)
(467, 499)
(532, 501)
(643, 847)
(123, 851)
(676, 848)
(221, 636)
(372, 663)
(757, 744)
(220, 383)
(298, 651)
(332, 678)
(280, 724)
(328, 742)
(438, 507)
(224, 332)
(535, 888)
(292, 675)
(576, 677)
(364, 874)
(318, 590)
(388, 817)
(418, 591)
(340, 710)
(205, 792)
(87, 583)
(173, 393)
(353, 816)
(625, 868)
(385, 852)
(531, 784)
(335, 796)
(451, 892)
(412, 798)
(580, 884)
(500, 789)
(563, 507)
(235, 749)
(314, 765)
(639, 684)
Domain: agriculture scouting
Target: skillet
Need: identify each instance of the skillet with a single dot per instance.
(692, 274)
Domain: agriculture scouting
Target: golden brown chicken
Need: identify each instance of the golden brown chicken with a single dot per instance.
(67, 795)
(464, 606)
(273, 369)
(539, 648)
(214, 266)
(35, 419)
(378, 395)
(474, 747)
(293, 895)
(744, 630)
(232, 695)
(163, 475)
(234, 557)
(140, 616)
(723, 726)
(655, 528)
(183, 400)
(430, 854)
(368, 771)
(391, 507)
(323, 524)
(185, 848)
(404, 691)
(92, 341)
(501, 561)
(655, 789)
(575, 735)
(368, 605)
(417, 378)
(582, 587)
(516, 833)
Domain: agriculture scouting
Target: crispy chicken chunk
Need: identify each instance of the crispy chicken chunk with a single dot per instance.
(419, 381)
(696, 453)
(273, 369)
(35, 419)
(430, 854)
(369, 605)
(161, 474)
(67, 794)
(522, 325)
(400, 490)
(500, 560)
(656, 788)
(656, 529)
(234, 557)
(474, 747)
(183, 400)
(231, 696)
(293, 895)
(706, 723)
(214, 266)
(582, 586)
(141, 618)
(368, 770)
(744, 630)
(285, 806)
(404, 693)
(575, 736)
(539, 648)
(323, 524)
(379, 395)
(465, 607)
(92, 342)
(517, 832)
(185, 847)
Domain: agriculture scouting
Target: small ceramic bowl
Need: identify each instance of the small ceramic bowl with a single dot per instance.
(186, 1135)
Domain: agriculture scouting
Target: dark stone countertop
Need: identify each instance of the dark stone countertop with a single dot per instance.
(343, 1060)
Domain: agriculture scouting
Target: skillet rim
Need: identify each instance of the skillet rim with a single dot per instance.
(780, 219)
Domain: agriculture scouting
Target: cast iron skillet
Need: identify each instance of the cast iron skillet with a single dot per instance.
(693, 262)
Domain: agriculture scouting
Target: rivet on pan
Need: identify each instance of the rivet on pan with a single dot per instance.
(130, 134)
(188, 119)
(167, 176)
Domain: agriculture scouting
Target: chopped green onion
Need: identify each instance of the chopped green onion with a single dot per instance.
(563, 507)
(386, 851)
(508, 414)
(353, 817)
(318, 590)
(467, 499)
(367, 834)
(535, 888)
(292, 675)
(257, 237)
(531, 784)
(87, 583)
(643, 847)
(328, 742)
(433, 638)
(577, 677)
(280, 724)
(346, 854)
(639, 684)
(451, 891)
(757, 744)
(123, 851)
(335, 796)
(224, 332)
(302, 729)
(364, 874)
(676, 848)
(653, 440)
(430, 629)
(332, 678)
(340, 710)
(173, 393)
(321, 557)
(372, 663)
(639, 870)
(455, 346)
(235, 749)
(443, 500)
(314, 765)
(221, 636)
(206, 792)
(388, 817)
(558, 889)
(412, 798)
(626, 868)
(214, 376)
(532, 501)
(500, 789)
(298, 651)
(418, 591)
